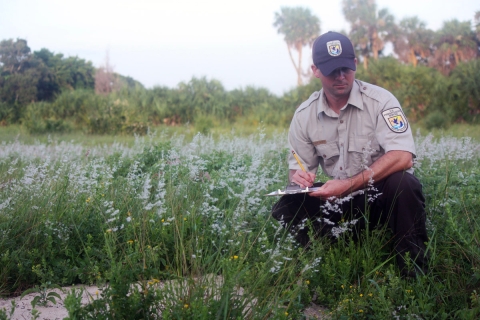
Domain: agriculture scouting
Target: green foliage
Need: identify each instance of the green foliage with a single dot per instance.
(436, 120)
(50, 93)
(64, 73)
(6, 113)
(425, 94)
(84, 110)
(44, 296)
(466, 90)
(174, 228)
(371, 27)
(27, 77)
(204, 124)
(39, 119)
(8, 316)
(427, 97)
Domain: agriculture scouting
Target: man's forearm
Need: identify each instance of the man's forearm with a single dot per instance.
(387, 164)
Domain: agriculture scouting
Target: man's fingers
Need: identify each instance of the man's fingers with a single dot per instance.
(303, 179)
(308, 177)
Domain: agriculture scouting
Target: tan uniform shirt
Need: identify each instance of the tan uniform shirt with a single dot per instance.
(371, 124)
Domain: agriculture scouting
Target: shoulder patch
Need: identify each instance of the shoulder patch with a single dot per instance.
(395, 119)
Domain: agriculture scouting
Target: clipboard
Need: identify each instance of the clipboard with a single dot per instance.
(292, 188)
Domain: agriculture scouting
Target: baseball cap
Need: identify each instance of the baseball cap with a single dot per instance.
(333, 50)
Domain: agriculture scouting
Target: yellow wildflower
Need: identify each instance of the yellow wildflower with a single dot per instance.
(185, 306)
(130, 241)
(307, 282)
(361, 295)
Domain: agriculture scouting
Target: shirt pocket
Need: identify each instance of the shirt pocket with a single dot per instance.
(360, 152)
(328, 155)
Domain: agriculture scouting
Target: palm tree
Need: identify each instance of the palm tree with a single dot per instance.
(455, 42)
(300, 28)
(369, 29)
(413, 41)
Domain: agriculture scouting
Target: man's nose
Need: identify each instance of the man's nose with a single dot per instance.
(339, 73)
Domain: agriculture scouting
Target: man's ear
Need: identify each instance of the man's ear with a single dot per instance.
(315, 70)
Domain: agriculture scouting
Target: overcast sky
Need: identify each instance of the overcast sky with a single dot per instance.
(165, 42)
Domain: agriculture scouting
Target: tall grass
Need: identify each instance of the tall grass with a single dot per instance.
(178, 227)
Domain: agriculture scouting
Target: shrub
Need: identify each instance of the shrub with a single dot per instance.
(436, 120)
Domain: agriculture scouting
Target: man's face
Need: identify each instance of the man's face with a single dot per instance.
(338, 84)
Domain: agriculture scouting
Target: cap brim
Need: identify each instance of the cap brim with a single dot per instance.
(328, 67)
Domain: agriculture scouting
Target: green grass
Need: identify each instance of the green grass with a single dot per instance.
(182, 210)
(20, 133)
(457, 130)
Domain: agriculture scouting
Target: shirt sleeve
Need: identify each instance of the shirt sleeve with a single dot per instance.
(302, 145)
(393, 130)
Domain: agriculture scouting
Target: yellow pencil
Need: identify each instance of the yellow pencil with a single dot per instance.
(298, 160)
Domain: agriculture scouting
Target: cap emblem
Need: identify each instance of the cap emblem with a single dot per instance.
(334, 48)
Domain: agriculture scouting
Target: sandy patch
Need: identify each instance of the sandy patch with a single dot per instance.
(23, 306)
(23, 309)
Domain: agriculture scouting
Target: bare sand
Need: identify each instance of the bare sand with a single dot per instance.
(23, 306)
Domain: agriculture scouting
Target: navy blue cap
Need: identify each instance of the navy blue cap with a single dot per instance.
(333, 50)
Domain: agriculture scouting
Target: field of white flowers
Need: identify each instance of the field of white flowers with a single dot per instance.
(195, 212)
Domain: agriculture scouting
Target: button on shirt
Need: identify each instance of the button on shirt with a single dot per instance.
(369, 125)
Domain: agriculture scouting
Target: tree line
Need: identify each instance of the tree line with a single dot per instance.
(437, 83)
(372, 28)
(27, 77)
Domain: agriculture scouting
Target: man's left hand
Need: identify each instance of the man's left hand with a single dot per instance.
(333, 188)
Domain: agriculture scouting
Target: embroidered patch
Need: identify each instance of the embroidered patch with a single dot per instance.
(334, 48)
(319, 142)
(395, 119)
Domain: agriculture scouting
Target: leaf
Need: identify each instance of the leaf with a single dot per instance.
(54, 294)
(31, 290)
(35, 301)
(52, 299)
(56, 286)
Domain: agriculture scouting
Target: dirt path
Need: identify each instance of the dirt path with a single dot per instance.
(23, 309)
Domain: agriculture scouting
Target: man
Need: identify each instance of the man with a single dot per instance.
(359, 135)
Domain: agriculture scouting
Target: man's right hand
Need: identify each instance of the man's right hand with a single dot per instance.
(303, 179)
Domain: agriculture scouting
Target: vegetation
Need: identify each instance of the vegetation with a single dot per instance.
(427, 96)
(175, 225)
(180, 227)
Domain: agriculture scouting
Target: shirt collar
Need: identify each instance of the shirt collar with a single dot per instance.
(355, 99)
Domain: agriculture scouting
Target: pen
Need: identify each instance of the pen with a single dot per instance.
(298, 161)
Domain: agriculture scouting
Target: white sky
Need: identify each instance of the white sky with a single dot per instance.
(165, 42)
